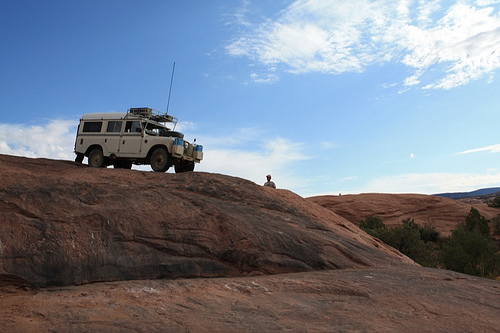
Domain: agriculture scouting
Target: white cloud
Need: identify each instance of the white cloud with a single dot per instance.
(432, 183)
(252, 157)
(54, 139)
(487, 2)
(264, 78)
(491, 149)
(460, 43)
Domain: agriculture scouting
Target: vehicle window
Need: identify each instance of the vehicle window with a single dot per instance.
(132, 127)
(114, 126)
(152, 129)
(92, 126)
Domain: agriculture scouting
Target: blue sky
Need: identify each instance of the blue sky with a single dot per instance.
(328, 96)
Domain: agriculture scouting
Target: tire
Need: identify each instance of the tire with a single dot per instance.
(184, 167)
(79, 157)
(174, 134)
(96, 158)
(160, 160)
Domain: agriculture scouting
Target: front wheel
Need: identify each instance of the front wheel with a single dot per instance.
(159, 160)
(96, 158)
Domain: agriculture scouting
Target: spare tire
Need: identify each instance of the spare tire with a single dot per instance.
(173, 134)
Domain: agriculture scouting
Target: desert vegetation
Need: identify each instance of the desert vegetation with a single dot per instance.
(472, 248)
(495, 202)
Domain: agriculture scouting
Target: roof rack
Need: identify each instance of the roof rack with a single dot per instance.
(152, 114)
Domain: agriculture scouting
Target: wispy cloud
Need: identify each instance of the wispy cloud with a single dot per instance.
(432, 183)
(247, 155)
(445, 47)
(490, 149)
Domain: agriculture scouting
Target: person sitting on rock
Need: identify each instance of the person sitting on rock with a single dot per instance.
(269, 182)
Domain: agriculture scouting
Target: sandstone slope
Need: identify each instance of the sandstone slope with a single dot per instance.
(64, 223)
(442, 213)
(144, 233)
(413, 299)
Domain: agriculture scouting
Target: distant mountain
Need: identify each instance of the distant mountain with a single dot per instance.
(476, 193)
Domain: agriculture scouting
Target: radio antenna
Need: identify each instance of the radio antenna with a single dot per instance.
(170, 91)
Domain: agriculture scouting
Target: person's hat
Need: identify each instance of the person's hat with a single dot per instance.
(268, 176)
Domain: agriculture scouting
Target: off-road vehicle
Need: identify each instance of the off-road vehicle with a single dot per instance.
(139, 136)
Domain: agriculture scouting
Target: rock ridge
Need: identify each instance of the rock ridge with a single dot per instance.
(65, 224)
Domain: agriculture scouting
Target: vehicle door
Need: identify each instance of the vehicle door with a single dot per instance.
(112, 136)
(131, 139)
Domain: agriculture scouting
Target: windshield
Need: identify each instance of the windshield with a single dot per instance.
(156, 129)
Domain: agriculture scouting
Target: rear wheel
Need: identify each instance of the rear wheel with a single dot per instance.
(96, 158)
(79, 157)
(160, 160)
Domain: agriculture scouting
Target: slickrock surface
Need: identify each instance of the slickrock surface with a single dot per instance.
(397, 299)
(65, 224)
(442, 213)
(200, 252)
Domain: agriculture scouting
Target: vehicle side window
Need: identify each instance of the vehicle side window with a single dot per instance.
(92, 126)
(114, 126)
(133, 127)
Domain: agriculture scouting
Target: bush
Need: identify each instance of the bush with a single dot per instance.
(496, 225)
(407, 239)
(470, 252)
(470, 249)
(428, 233)
(495, 202)
(372, 222)
(475, 221)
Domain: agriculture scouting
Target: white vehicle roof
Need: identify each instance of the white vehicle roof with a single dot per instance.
(104, 115)
(157, 117)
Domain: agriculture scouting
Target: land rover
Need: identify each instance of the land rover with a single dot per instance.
(139, 136)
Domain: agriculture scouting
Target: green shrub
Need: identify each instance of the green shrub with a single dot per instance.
(470, 249)
(495, 202)
(428, 233)
(470, 252)
(496, 225)
(475, 221)
(372, 222)
(405, 238)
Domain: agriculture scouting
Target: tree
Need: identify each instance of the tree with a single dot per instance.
(470, 252)
(475, 221)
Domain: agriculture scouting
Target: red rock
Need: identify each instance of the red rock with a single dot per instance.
(257, 260)
(442, 213)
(65, 224)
